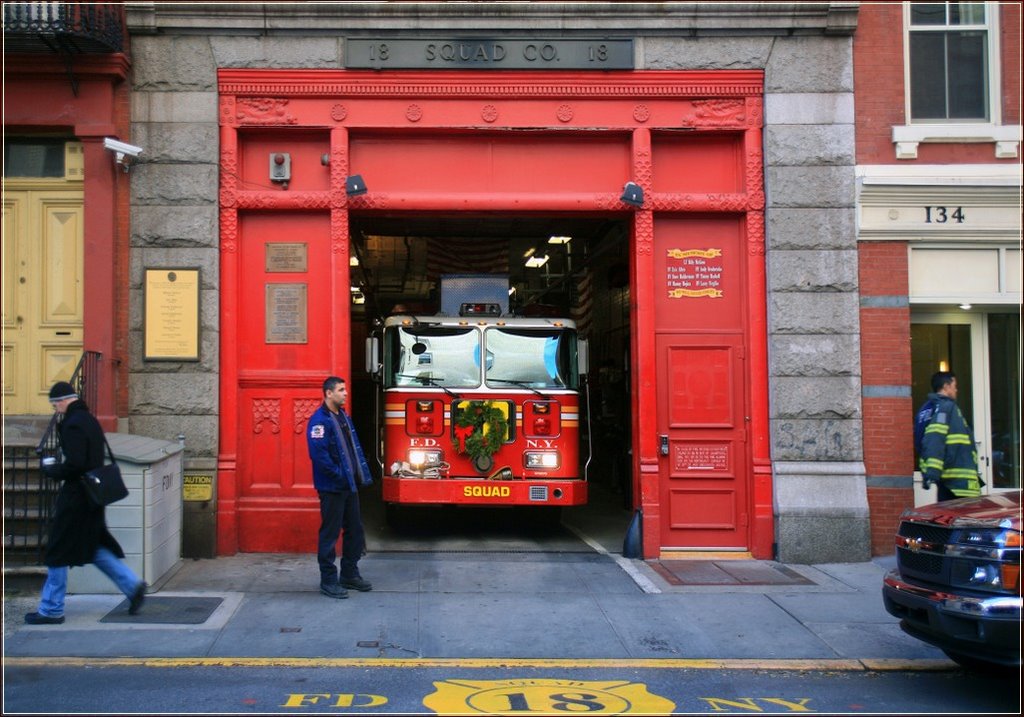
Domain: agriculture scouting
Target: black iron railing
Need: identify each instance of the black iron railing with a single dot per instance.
(28, 495)
(84, 379)
(64, 27)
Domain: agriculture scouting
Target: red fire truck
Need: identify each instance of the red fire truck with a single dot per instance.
(478, 407)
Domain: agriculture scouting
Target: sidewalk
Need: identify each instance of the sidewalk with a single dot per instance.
(576, 601)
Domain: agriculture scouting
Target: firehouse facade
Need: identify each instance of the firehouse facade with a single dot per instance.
(674, 184)
(730, 308)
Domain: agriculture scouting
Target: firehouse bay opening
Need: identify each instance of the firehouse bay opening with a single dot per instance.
(493, 388)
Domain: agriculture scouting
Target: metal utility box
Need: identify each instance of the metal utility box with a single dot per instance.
(147, 524)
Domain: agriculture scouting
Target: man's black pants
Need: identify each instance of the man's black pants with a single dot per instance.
(338, 512)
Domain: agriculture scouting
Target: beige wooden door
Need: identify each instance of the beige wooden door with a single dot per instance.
(42, 291)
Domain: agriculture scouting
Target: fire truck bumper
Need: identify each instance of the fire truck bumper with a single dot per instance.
(428, 491)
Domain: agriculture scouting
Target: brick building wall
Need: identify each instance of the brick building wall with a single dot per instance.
(885, 369)
(879, 89)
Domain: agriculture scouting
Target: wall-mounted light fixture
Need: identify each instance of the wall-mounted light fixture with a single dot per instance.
(965, 306)
(355, 186)
(559, 240)
(536, 261)
(632, 194)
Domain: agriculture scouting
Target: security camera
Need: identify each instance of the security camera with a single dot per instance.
(121, 148)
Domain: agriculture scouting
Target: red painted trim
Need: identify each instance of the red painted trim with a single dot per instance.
(227, 492)
(762, 527)
(38, 95)
(98, 269)
(638, 103)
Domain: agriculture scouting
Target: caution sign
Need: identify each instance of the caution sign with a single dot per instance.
(544, 696)
(197, 487)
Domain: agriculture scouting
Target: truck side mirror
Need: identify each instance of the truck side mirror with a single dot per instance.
(583, 354)
(373, 356)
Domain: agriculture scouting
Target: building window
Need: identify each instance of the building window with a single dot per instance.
(35, 158)
(949, 62)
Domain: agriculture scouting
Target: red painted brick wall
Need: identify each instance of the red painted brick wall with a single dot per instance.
(885, 361)
(879, 91)
(888, 436)
(1009, 40)
(885, 505)
(878, 81)
(884, 268)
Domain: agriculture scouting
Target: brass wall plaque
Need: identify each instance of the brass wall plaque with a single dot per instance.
(287, 257)
(286, 314)
(171, 325)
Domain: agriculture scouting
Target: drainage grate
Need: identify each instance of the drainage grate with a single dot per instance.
(167, 611)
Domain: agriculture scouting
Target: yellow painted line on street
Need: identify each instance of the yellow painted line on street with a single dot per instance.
(843, 665)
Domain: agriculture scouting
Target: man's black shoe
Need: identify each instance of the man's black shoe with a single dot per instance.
(333, 590)
(34, 618)
(357, 583)
(135, 601)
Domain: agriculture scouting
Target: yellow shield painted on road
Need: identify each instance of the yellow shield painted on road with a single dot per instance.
(545, 696)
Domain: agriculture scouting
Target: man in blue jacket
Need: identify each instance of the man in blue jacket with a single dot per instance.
(339, 468)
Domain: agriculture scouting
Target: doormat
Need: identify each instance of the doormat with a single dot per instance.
(729, 572)
(167, 611)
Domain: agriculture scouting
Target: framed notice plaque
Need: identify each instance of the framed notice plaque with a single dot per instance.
(171, 324)
(286, 314)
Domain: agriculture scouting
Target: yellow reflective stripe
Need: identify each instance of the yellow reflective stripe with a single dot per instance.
(935, 463)
(960, 473)
(959, 439)
(936, 428)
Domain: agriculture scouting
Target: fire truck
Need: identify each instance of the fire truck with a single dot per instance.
(477, 407)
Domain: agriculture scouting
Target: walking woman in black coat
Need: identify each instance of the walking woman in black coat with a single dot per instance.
(78, 534)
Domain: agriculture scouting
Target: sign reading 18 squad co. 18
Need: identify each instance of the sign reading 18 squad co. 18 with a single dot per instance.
(489, 54)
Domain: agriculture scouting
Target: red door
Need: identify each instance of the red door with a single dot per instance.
(702, 434)
(285, 327)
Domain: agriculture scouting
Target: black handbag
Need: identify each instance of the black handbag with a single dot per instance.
(104, 485)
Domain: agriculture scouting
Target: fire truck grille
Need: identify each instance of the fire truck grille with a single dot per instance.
(539, 492)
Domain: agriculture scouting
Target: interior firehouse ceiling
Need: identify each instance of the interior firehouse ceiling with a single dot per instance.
(401, 256)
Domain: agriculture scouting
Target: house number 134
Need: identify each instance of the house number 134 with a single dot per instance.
(941, 215)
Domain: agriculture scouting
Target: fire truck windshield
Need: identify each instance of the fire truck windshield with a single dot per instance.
(532, 358)
(448, 357)
(445, 357)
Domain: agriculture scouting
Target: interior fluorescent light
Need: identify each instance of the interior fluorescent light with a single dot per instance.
(559, 240)
(535, 262)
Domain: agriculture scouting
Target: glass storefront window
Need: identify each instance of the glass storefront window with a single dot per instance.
(942, 347)
(1004, 373)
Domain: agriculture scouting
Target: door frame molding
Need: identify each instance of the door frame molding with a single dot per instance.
(632, 104)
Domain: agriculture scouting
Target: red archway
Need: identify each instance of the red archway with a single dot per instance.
(690, 140)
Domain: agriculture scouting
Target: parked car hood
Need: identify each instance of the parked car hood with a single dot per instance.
(987, 510)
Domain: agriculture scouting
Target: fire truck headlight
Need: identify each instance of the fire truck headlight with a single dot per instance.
(424, 459)
(542, 459)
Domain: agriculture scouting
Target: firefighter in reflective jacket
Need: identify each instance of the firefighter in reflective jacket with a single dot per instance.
(948, 456)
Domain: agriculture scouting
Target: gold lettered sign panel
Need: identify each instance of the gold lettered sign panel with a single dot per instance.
(286, 314)
(694, 273)
(171, 326)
